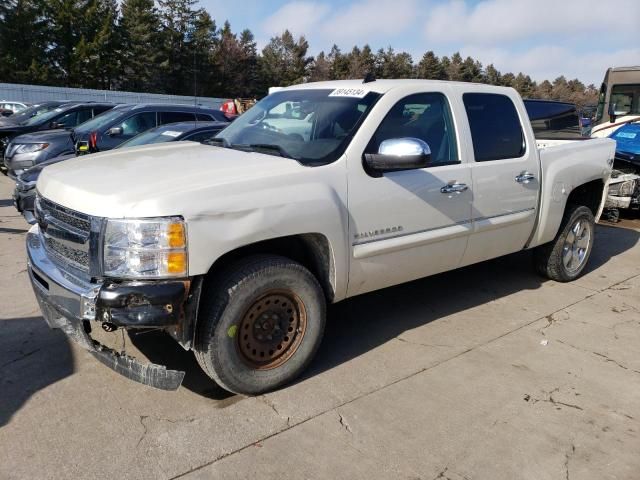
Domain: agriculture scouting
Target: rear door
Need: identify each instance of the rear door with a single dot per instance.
(506, 177)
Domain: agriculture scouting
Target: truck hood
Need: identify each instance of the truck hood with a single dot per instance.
(154, 180)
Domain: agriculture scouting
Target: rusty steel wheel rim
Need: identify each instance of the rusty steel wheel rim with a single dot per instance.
(272, 329)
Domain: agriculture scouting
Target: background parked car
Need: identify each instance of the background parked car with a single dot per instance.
(15, 107)
(65, 116)
(552, 120)
(25, 191)
(126, 121)
(624, 186)
(32, 111)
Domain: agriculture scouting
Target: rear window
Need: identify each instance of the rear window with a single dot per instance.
(495, 127)
(176, 117)
(553, 120)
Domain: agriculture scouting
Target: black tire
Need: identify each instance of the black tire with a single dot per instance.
(260, 281)
(550, 259)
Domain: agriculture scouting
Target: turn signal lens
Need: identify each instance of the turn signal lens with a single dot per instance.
(176, 236)
(177, 263)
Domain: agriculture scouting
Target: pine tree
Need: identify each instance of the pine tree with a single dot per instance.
(471, 71)
(454, 69)
(430, 67)
(361, 62)
(140, 26)
(508, 79)
(24, 32)
(339, 64)
(394, 65)
(492, 75)
(227, 54)
(284, 61)
(320, 68)
(178, 25)
(249, 72)
(97, 55)
(524, 85)
(202, 41)
(544, 90)
(71, 24)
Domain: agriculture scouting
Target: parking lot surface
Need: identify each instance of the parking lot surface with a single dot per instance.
(488, 372)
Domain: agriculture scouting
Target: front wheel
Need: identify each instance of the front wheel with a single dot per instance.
(565, 258)
(260, 324)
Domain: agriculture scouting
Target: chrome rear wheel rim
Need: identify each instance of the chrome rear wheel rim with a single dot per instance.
(576, 246)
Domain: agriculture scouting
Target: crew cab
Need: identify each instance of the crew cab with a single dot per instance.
(320, 192)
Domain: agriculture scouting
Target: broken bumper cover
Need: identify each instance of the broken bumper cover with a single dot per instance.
(618, 202)
(69, 303)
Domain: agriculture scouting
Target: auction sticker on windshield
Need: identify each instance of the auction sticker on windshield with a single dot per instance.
(171, 133)
(349, 92)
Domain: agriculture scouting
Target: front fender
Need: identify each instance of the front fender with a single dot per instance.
(277, 207)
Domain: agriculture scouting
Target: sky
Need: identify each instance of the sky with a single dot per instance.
(542, 38)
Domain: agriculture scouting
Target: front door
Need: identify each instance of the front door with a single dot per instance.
(409, 224)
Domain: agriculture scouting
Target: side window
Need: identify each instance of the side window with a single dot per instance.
(203, 117)
(68, 120)
(426, 116)
(495, 127)
(174, 117)
(138, 123)
(84, 115)
(200, 136)
(100, 109)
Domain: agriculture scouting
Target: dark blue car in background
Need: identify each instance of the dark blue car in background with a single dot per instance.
(627, 140)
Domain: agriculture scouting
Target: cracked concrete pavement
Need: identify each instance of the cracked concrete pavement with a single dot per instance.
(486, 372)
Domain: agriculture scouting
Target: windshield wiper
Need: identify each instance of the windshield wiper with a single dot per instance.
(270, 148)
(218, 142)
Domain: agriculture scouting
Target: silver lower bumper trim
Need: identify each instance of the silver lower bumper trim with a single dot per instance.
(73, 296)
(67, 302)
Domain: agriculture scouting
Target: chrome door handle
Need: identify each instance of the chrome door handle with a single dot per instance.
(454, 188)
(525, 177)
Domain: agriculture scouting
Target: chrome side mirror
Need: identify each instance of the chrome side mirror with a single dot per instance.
(399, 154)
(114, 131)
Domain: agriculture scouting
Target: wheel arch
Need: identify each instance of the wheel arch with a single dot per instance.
(312, 250)
(591, 194)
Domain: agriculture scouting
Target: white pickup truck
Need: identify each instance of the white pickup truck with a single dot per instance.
(320, 192)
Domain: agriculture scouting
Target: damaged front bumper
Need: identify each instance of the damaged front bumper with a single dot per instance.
(72, 305)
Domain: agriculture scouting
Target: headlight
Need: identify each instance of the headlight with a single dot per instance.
(622, 189)
(145, 248)
(31, 147)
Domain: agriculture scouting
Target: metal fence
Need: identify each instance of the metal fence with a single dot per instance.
(40, 93)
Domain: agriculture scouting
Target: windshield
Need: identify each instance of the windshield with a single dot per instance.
(311, 126)
(156, 135)
(44, 117)
(33, 111)
(626, 98)
(99, 121)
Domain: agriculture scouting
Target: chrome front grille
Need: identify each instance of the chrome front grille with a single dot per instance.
(66, 234)
(64, 253)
